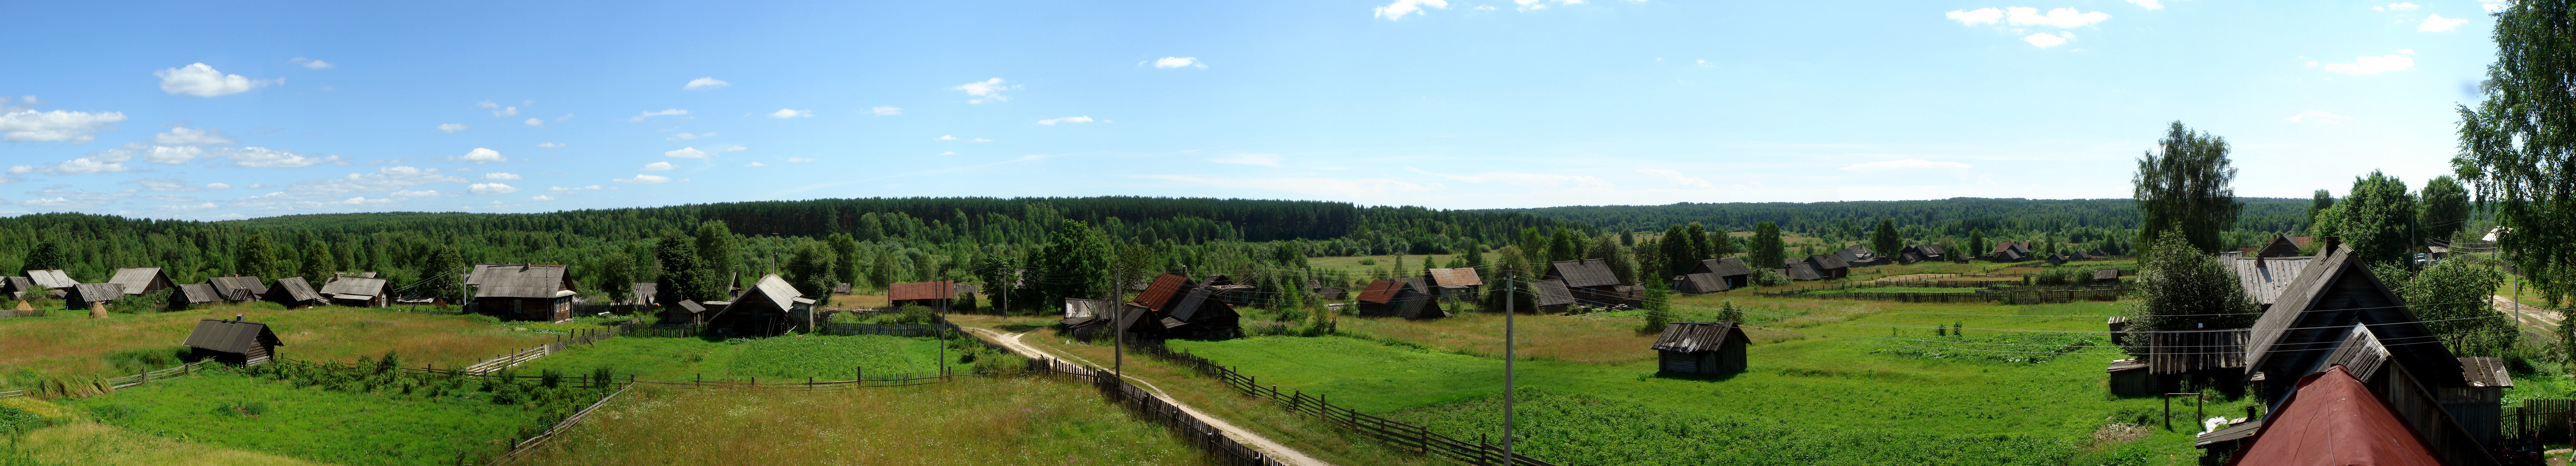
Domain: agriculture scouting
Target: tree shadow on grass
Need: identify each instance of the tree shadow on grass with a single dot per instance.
(1719, 377)
(1017, 328)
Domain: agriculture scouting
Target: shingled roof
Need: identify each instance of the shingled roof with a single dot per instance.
(230, 336)
(522, 281)
(772, 290)
(139, 280)
(1381, 290)
(52, 278)
(1462, 276)
(1161, 291)
(296, 289)
(97, 291)
(1553, 293)
(1690, 337)
(1800, 271)
(197, 293)
(1723, 267)
(1828, 261)
(2264, 277)
(238, 288)
(1584, 273)
(2322, 304)
(357, 286)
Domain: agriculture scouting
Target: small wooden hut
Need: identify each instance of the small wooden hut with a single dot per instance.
(770, 306)
(1701, 348)
(1552, 296)
(685, 312)
(140, 280)
(52, 279)
(17, 287)
(1403, 297)
(1455, 283)
(1591, 281)
(233, 341)
(357, 292)
(524, 291)
(2130, 377)
(294, 293)
(1085, 317)
(194, 294)
(238, 289)
(90, 295)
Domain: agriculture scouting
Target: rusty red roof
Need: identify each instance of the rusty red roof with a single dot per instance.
(922, 290)
(1161, 292)
(1380, 290)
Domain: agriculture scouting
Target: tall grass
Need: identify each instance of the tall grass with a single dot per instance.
(776, 359)
(343, 416)
(972, 421)
(1576, 429)
(1573, 338)
(89, 443)
(68, 345)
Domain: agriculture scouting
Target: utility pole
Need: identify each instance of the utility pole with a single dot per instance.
(943, 329)
(1508, 299)
(1118, 343)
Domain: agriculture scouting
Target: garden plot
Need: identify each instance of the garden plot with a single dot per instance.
(775, 359)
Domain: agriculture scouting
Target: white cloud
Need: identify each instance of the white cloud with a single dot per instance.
(1976, 16)
(2373, 65)
(313, 64)
(482, 156)
(183, 135)
(262, 157)
(2045, 40)
(687, 136)
(799, 159)
(2319, 117)
(886, 111)
(76, 166)
(979, 140)
(791, 113)
(452, 127)
(54, 126)
(187, 207)
(723, 148)
(986, 90)
(706, 83)
(490, 189)
(560, 189)
(659, 166)
(1070, 119)
(2437, 23)
(665, 112)
(203, 81)
(2149, 4)
(755, 164)
(1266, 160)
(411, 193)
(501, 176)
(686, 153)
(2061, 17)
(948, 153)
(945, 137)
(172, 155)
(644, 179)
(1539, 180)
(542, 197)
(1180, 62)
(218, 186)
(1905, 164)
(1678, 179)
(1397, 10)
(535, 122)
(503, 112)
(2399, 6)
(551, 145)
(2492, 5)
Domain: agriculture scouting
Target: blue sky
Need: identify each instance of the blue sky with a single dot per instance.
(207, 111)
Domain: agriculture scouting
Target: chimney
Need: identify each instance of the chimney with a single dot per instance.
(2258, 262)
(237, 317)
(2332, 242)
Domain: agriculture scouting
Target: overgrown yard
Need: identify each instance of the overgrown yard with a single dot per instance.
(74, 345)
(776, 359)
(973, 420)
(225, 408)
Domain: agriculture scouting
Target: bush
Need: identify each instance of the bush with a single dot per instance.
(1770, 278)
(2053, 276)
(913, 314)
(1000, 363)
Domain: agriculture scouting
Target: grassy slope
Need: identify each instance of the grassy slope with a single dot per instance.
(76, 345)
(973, 420)
(310, 423)
(92, 444)
(780, 358)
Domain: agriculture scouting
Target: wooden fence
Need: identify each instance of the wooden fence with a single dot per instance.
(900, 330)
(1399, 433)
(1913, 297)
(578, 337)
(147, 376)
(521, 447)
(2539, 419)
(8, 313)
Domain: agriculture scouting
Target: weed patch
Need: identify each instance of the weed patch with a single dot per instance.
(2009, 347)
(1576, 429)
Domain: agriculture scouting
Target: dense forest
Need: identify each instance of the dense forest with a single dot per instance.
(880, 240)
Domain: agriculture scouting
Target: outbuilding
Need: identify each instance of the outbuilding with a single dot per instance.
(52, 279)
(92, 295)
(294, 293)
(1084, 318)
(233, 341)
(1701, 348)
(140, 280)
(934, 295)
(1591, 281)
(357, 292)
(524, 291)
(1402, 297)
(768, 307)
(238, 289)
(17, 287)
(685, 312)
(194, 294)
(1552, 297)
(1455, 283)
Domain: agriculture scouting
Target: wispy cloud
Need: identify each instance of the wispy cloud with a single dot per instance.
(791, 113)
(1180, 62)
(1070, 119)
(1266, 160)
(1397, 10)
(886, 110)
(2437, 23)
(1905, 164)
(668, 112)
(989, 90)
(705, 84)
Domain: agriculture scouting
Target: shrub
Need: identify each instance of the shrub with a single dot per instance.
(1000, 364)
(15, 422)
(1770, 278)
(913, 314)
(1368, 261)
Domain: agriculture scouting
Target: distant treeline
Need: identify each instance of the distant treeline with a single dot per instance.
(1953, 217)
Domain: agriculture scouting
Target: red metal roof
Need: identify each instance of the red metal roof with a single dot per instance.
(1381, 290)
(1462, 276)
(1161, 292)
(2334, 420)
(923, 290)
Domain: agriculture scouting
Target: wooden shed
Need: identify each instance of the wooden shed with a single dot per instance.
(1829, 266)
(934, 295)
(357, 292)
(768, 307)
(1455, 283)
(1727, 273)
(685, 312)
(1697, 283)
(1084, 318)
(1801, 271)
(1551, 296)
(233, 341)
(524, 291)
(194, 294)
(140, 280)
(88, 295)
(238, 289)
(1402, 297)
(1590, 280)
(2129, 377)
(1701, 348)
(294, 293)
(1199, 315)
(17, 287)
(52, 279)
(1923, 252)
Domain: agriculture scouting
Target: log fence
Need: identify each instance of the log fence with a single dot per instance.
(1395, 432)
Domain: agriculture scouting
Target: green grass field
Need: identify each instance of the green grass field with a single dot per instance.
(823, 357)
(73, 345)
(225, 409)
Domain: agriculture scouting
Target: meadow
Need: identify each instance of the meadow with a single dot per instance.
(228, 409)
(972, 420)
(67, 344)
(778, 359)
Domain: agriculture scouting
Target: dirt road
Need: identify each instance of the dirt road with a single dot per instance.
(2531, 315)
(1256, 441)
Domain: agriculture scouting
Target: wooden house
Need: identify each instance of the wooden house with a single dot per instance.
(355, 291)
(1701, 348)
(1696, 283)
(1330, 293)
(1173, 307)
(1223, 288)
(2010, 251)
(141, 280)
(2337, 313)
(92, 295)
(1551, 296)
(2265, 277)
(294, 293)
(1591, 281)
(1458, 284)
(1402, 297)
(534, 292)
(193, 295)
(1858, 255)
(684, 312)
(2335, 418)
(1830, 266)
(1800, 271)
(1084, 318)
(238, 289)
(1922, 253)
(232, 341)
(2216, 355)
(55, 281)
(2106, 275)
(1715, 275)
(768, 307)
(934, 295)
(18, 287)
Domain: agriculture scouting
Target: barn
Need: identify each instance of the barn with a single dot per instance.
(194, 294)
(1552, 296)
(1721, 274)
(1084, 318)
(357, 292)
(685, 312)
(1173, 307)
(1455, 283)
(56, 282)
(238, 289)
(17, 287)
(294, 293)
(1701, 348)
(768, 307)
(92, 295)
(934, 295)
(1591, 281)
(140, 280)
(523, 291)
(1402, 297)
(2338, 313)
(232, 341)
(1829, 266)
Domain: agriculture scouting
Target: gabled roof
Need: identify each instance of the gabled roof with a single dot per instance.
(1723, 267)
(1191, 303)
(1086, 308)
(1691, 337)
(1417, 285)
(692, 307)
(2303, 241)
(1852, 254)
(2264, 278)
(138, 280)
(1381, 290)
(21, 284)
(1801, 271)
(98, 291)
(230, 336)
(2334, 420)
(942, 289)
(238, 288)
(51, 278)
(1330, 293)
(1462, 276)
(2106, 274)
(296, 289)
(2485, 372)
(359, 286)
(1161, 291)
(1583, 273)
(771, 291)
(1552, 292)
(1927, 250)
(2304, 315)
(1701, 282)
(1827, 262)
(197, 293)
(522, 281)
(476, 277)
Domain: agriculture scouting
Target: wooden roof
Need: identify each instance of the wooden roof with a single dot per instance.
(1462, 276)
(1329, 293)
(1583, 273)
(52, 278)
(1161, 291)
(1827, 262)
(238, 288)
(295, 289)
(1381, 290)
(2106, 274)
(768, 291)
(1190, 304)
(942, 289)
(97, 291)
(1087, 307)
(1701, 282)
(2333, 296)
(1691, 337)
(138, 280)
(2263, 278)
(1723, 267)
(197, 293)
(231, 336)
(1801, 271)
(692, 306)
(1927, 250)
(360, 286)
(1552, 293)
(522, 281)
(2179, 352)
(20, 284)
(2485, 372)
